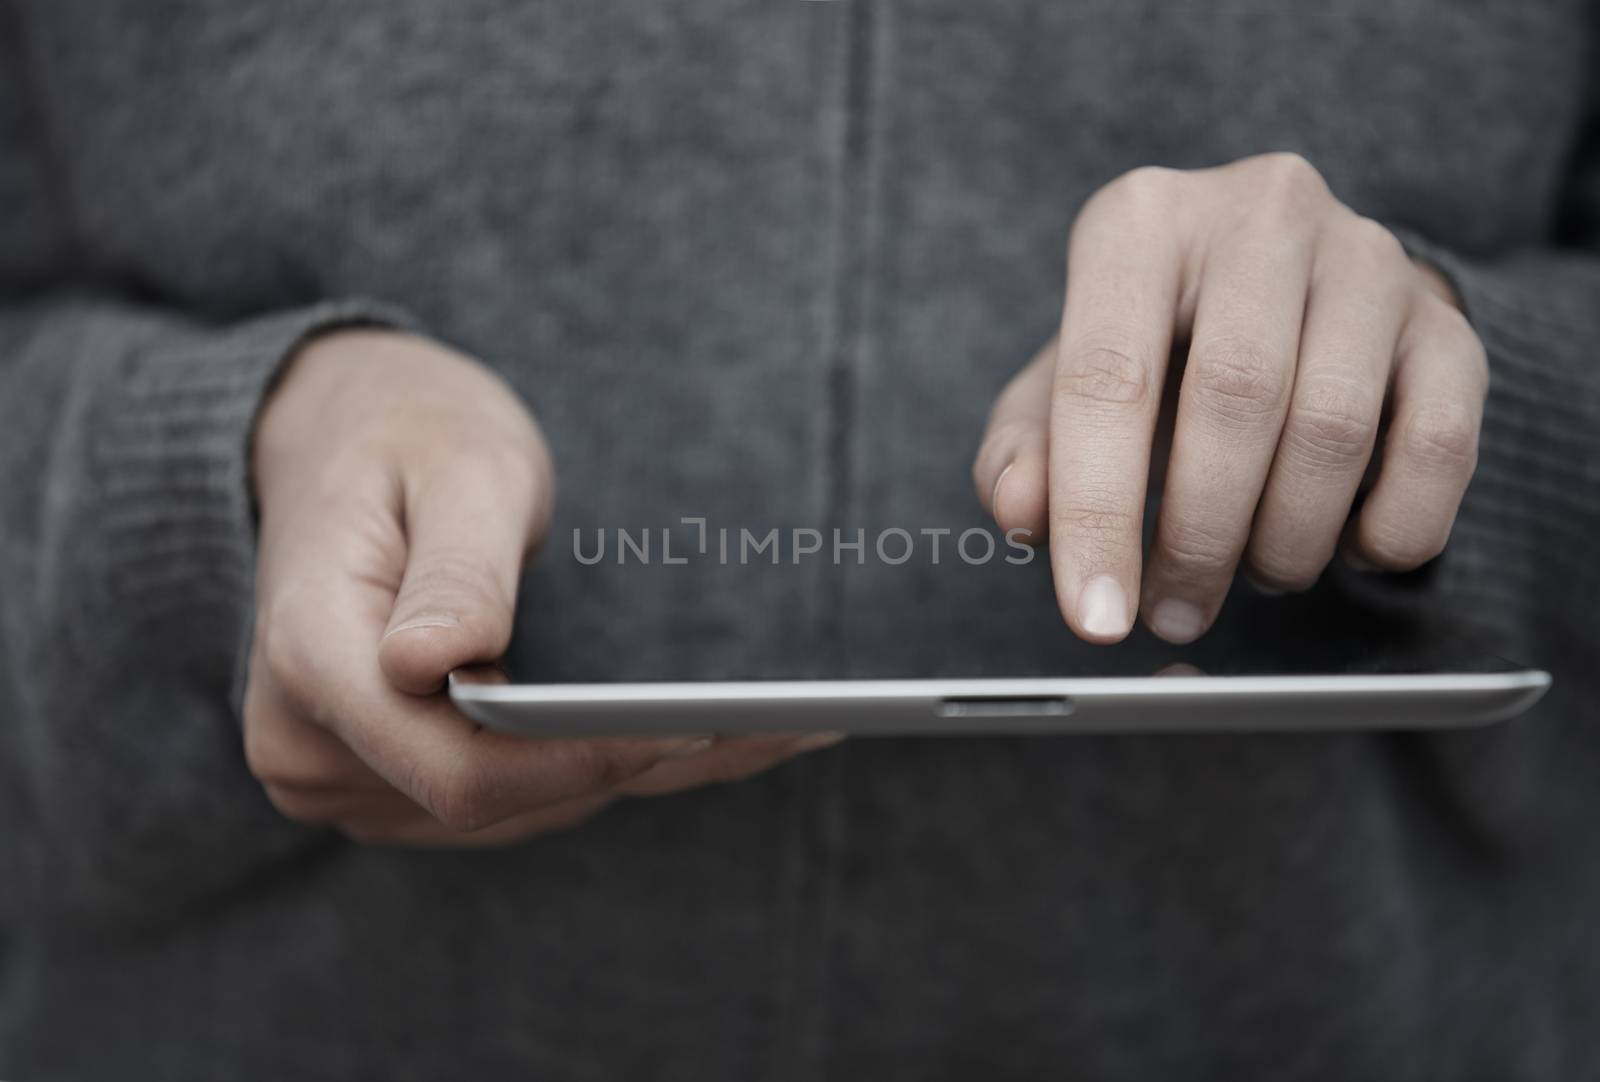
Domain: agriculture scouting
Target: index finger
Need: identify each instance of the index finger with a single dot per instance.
(468, 777)
(1124, 282)
(326, 633)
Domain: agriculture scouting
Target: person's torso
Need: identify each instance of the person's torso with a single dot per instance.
(766, 264)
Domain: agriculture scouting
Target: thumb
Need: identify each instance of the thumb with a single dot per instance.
(468, 537)
(1010, 468)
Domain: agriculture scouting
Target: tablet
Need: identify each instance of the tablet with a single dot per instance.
(1178, 700)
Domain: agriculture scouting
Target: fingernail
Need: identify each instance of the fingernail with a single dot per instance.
(817, 741)
(425, 620)
(693, 747)
(1262, 588)
(1177, 621)
(994, 498)
(1103, 608)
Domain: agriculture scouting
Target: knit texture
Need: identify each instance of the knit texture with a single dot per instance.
(767, 264)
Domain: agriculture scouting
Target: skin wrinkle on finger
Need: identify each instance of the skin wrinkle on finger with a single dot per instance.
(1149, 196)
(1124, 281)
(1361, 293)
(349, 650)
(514, 465)
(390, 731)
(1429, 453)
(1292, 419)
(362, 536)
(457, 597)
(1232, 405)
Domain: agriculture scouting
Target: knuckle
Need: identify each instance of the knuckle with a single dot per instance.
(275, 758)
(1286, 568)
(1332, 423)
(1097, 522)
(279, 649)
(1137, 190)
(265, 756)
(455, 572)
(600, 767)
(591, 767)
(1145, 182)
(1237, 379)
(1106, 374)
(1442, 440)
(1290, 177)
(1445, 327)
(1364, 234)
(1193, 552)
(296, 806)
(1400, 546)
(515, 465)
(466, 583)
(1447, 321)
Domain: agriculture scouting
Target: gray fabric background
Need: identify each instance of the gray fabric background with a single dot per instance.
(768, 263)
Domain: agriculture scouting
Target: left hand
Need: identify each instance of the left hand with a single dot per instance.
(402, 486)
(1306, 325)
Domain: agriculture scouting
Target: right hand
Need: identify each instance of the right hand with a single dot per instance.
(1317, 354)
(402, 487)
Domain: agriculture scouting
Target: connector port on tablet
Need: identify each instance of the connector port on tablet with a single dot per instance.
(1006, 706)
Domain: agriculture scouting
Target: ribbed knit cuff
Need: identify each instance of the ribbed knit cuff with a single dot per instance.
(171, 450)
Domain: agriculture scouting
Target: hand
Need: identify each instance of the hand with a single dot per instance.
(1306, 326)
(402, 487)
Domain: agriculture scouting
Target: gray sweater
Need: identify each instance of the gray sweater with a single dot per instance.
(766, 263)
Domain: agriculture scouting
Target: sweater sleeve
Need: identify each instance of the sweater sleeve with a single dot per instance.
(124, 423)
(126, 569)
(1522, 546)
(126, 553)
(1521, 568)
(124, 448)
(1521, 560)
